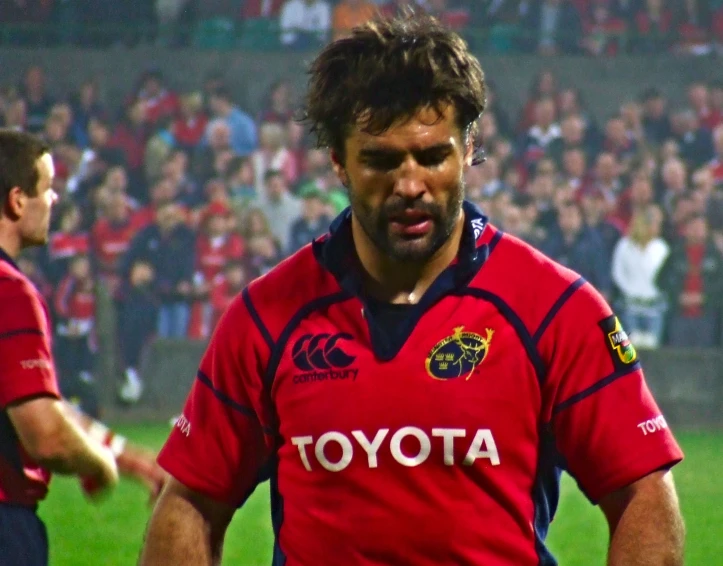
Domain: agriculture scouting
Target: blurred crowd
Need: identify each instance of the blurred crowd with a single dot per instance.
(172, 203)
(592, 27)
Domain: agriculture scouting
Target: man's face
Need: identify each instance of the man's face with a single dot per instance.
(606, 168)
(574, 163)
(406, 185)
(615, 130)
(35, 220)
(275, 187)
(696, 230)
(570, 220)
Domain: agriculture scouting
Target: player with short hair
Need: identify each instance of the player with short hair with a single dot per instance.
(414, 382)
(39, 432)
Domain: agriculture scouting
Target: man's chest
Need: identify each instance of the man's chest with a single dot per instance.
(460, 389)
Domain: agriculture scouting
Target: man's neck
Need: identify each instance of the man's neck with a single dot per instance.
(390, 280)
(9, 240)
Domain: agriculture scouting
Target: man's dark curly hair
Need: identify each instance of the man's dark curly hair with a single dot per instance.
(387, 70)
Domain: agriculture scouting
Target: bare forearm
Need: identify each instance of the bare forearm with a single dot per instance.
(75, 453)
(179, 534)
(648, 535)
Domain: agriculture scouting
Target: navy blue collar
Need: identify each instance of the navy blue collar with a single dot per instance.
(335, 251)
(6, 258)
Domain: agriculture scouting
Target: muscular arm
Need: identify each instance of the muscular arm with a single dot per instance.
(51, 436)
(186, 528)
(134, 461)
(646, 527)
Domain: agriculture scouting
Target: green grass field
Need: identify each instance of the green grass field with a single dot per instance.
(110, 534)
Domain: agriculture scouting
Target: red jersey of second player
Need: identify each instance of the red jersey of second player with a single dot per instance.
(437, 440)
(26, 370)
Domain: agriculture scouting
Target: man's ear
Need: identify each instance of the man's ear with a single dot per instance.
(15, 203)
(339, 168)
(469, 150)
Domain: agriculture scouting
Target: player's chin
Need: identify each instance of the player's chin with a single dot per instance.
(412, 249)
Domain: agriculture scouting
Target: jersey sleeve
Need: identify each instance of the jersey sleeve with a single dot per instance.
(608, 428)
(219, 445)
(26, 360)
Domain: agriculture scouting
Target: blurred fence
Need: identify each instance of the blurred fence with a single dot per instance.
(688, 384)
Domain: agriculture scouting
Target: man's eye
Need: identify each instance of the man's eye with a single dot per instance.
(383, 162)
(432, 159)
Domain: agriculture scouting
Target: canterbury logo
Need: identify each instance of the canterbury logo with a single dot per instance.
(321, 351)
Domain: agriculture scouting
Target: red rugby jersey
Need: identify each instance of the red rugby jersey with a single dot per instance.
(441, 444)
(26, 370)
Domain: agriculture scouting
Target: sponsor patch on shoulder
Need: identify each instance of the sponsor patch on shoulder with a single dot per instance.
(618, 344)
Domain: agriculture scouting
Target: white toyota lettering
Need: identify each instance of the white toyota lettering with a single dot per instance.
(346, 451)
(37, 363)
(184, 425)
(653, 425)
(481, 447)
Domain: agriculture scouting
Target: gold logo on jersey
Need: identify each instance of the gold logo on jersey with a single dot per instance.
(458, 354)
(618, 343)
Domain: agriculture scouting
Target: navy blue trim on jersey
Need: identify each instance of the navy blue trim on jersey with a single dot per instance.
(512, 317)
(335, 254)
(595, 387)
(256, 318)
(559, 303)
(545, 492)
(226, 400)
(277, 515)
(10, 444)
(303, 312)
(19, 332)
(495, 240)
(6, 258)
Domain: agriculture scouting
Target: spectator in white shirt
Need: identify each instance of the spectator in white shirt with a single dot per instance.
(637, 259)
(279, 206)
(305, 23)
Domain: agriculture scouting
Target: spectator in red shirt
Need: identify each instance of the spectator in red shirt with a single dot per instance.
(692, 277)
(261, 8)
(700, 101)
(111, 236)
(74, 303)
(163, 191)
(66, 242)
(654, 25)
(190, 125)
(543, 86)
(130, 136)
(160, 102)
(216, 244)
(226, 286)
(602, 30)
(277, 104)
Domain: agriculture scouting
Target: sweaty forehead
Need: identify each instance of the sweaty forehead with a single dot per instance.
(426, 128)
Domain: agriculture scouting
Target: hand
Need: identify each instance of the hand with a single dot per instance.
(99, 486)
(140, 464)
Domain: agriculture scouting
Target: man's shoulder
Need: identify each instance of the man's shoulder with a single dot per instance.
(526, 281)
(18, 293)
(295, 282)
